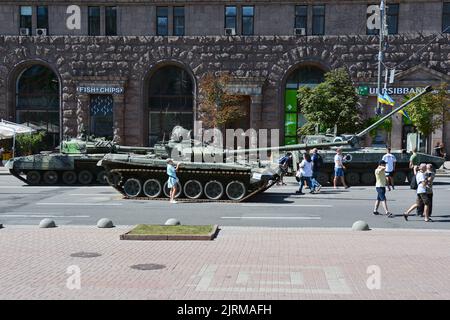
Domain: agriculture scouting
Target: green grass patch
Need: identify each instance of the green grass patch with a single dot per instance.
(150, 229)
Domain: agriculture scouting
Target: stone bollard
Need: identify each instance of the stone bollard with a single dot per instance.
(172, 222)
(105, 223)
(47, 223)
(360, 226)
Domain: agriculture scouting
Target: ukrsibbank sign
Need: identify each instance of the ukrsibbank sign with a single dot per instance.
(394, 91)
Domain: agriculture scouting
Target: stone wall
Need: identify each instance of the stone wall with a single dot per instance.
(268, 58)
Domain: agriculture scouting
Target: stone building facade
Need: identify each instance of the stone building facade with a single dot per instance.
(122, 66)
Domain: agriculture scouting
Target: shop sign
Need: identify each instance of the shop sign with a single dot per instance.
(394, 91)
(100, 90)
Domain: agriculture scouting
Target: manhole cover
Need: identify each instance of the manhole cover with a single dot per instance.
(149, 266)
(85, 255)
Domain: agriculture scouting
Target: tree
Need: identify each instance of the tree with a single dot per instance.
(218, 107)
(431, 111)
(29, 143)
(334, 101)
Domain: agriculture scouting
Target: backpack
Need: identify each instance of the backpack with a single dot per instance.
(318, 163)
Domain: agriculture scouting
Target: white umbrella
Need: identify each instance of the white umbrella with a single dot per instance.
(9, 130)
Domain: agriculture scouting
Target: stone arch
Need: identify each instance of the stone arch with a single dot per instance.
(145, 82)
(16, 71)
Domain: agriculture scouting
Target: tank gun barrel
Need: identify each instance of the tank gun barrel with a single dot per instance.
(120, 148)
(379, 122)
(292, 147)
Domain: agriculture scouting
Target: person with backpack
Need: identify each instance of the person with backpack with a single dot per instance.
(283, 162)
(317, 164)
(305, 173)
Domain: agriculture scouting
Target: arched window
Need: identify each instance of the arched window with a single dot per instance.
(293, 118)
(171, 102)
(37, 101)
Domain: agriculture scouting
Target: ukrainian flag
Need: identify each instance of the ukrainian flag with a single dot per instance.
(381, 99)
(389, 100)
(405, 114)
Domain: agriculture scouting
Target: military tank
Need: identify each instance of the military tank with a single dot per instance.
(360, 162)
(206, 172)
(75, 164)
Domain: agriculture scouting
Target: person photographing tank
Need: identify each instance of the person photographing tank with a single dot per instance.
(173, 179)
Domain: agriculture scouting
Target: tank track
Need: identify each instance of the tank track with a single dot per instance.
(117, 186)
(94, 181)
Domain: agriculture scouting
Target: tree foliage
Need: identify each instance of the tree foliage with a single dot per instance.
(431, 111)
(29, 143)
(334, 101)
(385, 126)
(217, 106)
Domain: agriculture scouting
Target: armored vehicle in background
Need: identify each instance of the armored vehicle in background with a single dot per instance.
(207, 172)
(76, 163)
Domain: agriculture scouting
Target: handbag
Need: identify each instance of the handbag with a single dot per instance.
(413, 184)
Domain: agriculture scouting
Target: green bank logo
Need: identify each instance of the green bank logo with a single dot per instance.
(363, 91)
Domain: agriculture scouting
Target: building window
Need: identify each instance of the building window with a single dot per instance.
(101, 116)
(37, 101)
(111, 21)
(301, 17)
(309, 76)
(446, 17)
(171, 102)
(248, 14)
(25, 17)
(94, 21)
(230, 17)
(42, 17)
(318, 27)
(162, 19)
(392, 18)
(178, 21)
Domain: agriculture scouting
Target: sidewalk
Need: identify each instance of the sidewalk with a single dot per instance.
(242, 263)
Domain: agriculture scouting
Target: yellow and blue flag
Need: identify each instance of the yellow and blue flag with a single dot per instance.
(405, 114)
(389, 100)
(381, 99)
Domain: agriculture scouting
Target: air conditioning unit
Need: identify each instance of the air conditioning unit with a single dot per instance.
(41, 32)
(24, 31)
(300, 31)
(230, 31)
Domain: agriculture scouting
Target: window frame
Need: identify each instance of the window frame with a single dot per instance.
(315, 16)
(22, 22)
(114, 19)
(175, 19)
(234, 17)
(446, 16)
(305, 16)
(45, 17)
(252, 16)
(391, 15)
(166, 17)
(91, 21)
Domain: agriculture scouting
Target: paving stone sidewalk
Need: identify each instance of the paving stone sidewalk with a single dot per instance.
(242, 263)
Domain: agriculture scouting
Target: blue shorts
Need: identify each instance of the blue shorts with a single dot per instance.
(381, 193)
(338, 172)
(390, 174)
(172, 182)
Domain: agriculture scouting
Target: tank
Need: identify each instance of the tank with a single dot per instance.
(75, 164)
(201, 177)
(361, 162)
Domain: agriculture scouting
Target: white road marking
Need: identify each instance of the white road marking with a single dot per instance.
(38, 216)
(285, 205)
(275, 218)
(76, 204)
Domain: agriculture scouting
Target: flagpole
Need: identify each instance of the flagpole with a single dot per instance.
(380, 54)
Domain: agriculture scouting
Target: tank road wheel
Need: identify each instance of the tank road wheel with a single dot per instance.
(167, 190)
(400, 177)
(322, 178)
(85, 177)
(50, 177)
(213, 190)
(368, 179)
(101, 177)
(352, 178)
(33, 177)
(132, 187)
(152, 188)
(113, 178)
(69, 177)
(193, 189)
(236, 190)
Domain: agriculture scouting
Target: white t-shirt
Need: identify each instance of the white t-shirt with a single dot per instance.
(307, 168)
(389, 159)
(338, 161)
(420, 177)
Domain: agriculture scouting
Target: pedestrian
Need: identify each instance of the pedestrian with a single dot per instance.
(390, 160)
(339, 169)
(1, 156)
(430, 175)
(422, 195)
(442, 152)
(305, 173)
(380, 187)
(173, 179)
(413, 164)
(283, 163)
(317, 164)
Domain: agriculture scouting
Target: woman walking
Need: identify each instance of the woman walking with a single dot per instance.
(305, 172)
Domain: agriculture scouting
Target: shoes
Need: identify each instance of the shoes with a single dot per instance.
(347, 187)
(376, 213)
(429, 220)
(405, 215)
(318, 188)
(298, 192)
(173, 201)
(393, 188)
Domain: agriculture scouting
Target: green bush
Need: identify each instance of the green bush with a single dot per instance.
(29, 143)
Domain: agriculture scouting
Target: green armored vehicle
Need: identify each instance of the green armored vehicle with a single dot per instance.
(76, 163)
(205, 171)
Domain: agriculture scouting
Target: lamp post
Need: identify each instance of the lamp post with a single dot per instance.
(381, 52)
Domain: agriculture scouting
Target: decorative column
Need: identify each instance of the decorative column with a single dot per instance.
(82, 113)
(119, 119)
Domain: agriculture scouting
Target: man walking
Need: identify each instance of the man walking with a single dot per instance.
(422, 195)
(284, 166)
(380, 186)
(339, 169)
(317, 162)
(429, 175)
(390, 160)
